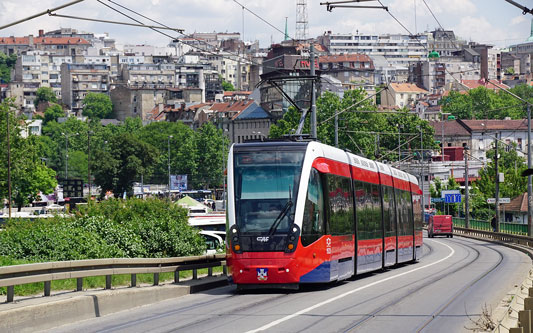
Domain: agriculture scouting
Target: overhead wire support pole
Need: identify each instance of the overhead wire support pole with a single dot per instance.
(342, 4)
(525, 10)
(48, 11)
(529, 190)
(313, 94)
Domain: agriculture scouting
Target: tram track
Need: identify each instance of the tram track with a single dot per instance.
(431, 280)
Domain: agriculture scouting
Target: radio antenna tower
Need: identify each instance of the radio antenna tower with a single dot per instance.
(301, 20)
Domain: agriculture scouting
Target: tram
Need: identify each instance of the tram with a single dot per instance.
(305, 212)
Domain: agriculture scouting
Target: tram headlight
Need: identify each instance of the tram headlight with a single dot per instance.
(290, 246)
(237, 247)
(235, 239)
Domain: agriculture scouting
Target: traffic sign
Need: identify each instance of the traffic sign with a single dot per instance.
(502, 200)
(452, 198)
(435, 200)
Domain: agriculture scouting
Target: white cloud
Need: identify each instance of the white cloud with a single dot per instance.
(518, 20)
(478, 29)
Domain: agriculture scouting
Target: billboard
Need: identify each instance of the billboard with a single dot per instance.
(178, 182)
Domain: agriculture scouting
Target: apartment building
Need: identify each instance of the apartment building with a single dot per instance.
(77, 80)
(348, 68)
(398, 49)
(35, 69)
(67, 46)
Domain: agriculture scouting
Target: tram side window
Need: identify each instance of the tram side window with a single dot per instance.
(404, 204)
(409, 212)
(362, 208)
(313, 222)
(399, 210)
(375, 220)
(340, 206)
(388, 211)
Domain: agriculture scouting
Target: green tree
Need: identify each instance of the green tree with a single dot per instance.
(361, 130)
(44, 94)
(209, 143)
(183, 153)
(120, 162)
(511, 165)
(29, 175)
(227, 86)
(97, 106)
(6, 65)
(52, 113)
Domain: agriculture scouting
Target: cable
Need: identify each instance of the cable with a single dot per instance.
(188, 36)
(259, 17)
(346, 109)
(41, 14)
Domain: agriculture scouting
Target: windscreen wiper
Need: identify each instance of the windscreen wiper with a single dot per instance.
(281, 215)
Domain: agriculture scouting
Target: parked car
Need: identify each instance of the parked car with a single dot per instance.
(440, 225)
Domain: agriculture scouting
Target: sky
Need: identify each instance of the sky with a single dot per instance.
(494, 22)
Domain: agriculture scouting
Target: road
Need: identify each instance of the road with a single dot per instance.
(444, 292)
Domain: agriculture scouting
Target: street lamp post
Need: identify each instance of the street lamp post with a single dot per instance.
(89, 133)
(66, 155)
(224, 176)
(8, 165)
(422, 165)
(442, 134)
(168, 145)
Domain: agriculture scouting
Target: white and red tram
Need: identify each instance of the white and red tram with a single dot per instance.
(305, 212)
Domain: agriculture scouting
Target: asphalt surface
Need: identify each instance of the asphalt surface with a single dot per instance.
(446, 291)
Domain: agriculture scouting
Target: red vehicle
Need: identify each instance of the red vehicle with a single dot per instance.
(305, 212)
(440, 225)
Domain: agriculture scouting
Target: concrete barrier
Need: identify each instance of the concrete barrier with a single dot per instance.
(42, 313)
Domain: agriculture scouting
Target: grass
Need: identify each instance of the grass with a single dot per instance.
(96, 282)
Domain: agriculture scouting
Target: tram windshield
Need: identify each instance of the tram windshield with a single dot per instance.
(266, 184)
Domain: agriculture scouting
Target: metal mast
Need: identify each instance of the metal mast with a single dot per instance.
(302, 24)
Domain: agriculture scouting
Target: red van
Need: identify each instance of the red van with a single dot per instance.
(440, 225)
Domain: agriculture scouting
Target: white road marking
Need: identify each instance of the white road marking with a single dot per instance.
(281, 320)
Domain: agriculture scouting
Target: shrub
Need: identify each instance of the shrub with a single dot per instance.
(112, 228)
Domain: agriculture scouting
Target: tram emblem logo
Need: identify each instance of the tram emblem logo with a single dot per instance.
(262, 274)
(262, 239)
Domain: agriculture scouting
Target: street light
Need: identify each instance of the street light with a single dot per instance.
(224, 176)
(442, 133)
(89, 133)
(66, 155)
(168, 145)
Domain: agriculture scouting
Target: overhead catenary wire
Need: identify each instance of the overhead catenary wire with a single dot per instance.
(114, 22)
(41, 14)
(185, 35)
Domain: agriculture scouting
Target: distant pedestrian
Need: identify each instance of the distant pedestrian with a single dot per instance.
(494, 223)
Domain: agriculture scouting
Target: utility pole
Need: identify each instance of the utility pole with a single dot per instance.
(497, 181)
(89, 160)
(529, 227)
(169, 137)
(467, 208)
(422, 166)
(8, 165)
(313, 95)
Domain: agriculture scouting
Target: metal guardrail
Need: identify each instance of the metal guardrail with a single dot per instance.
(10, 276)
(498, 236)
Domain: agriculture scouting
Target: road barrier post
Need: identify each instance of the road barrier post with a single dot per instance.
(79, 284)
(133, 280)
(47, 288)
(108, 281)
